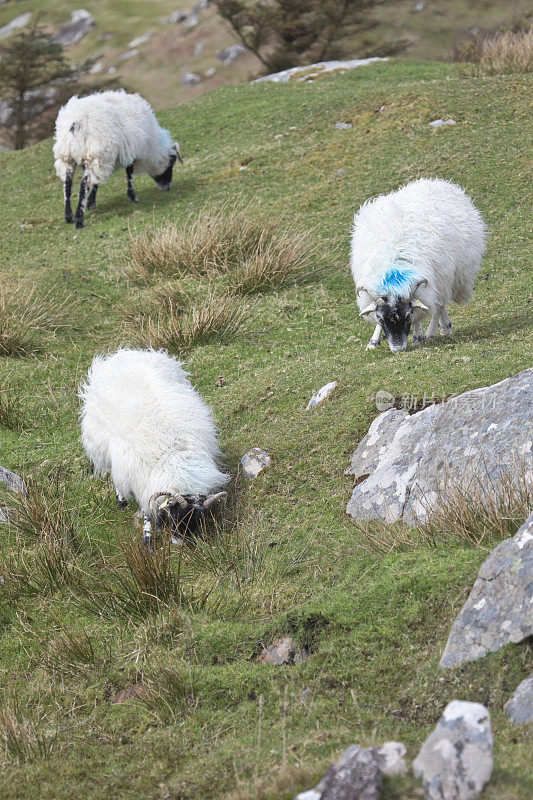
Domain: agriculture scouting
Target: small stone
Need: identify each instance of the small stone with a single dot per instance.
(141, 40)
(198, 49)
(177, 16)
(111, 70)
(210, 72)
(190, 79)
(455, 761)
(96, 67)
(343, 126)
(321, 395)
(439, 123)
(520, 706)
(128, 54)
(254, 462)
(229, 54)
(283, 651)
(420, 6)
(191, 21)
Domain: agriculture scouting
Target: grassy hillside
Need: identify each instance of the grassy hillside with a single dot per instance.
(213, 722)
(155, 72)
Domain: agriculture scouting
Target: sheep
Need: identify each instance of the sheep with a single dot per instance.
(143, 422)
(104, 132)
(412, 252)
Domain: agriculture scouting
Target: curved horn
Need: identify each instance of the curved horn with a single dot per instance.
(158, 496)
(374, 295)
(417, 285)
(178, 498)
(214, 498)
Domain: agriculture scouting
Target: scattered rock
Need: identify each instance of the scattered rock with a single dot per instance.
(390, 758)
(111, 70)
(81, 22)
(36, 101)
(210, 72)
(499, 609)
(255, 461)
(191, 21)
(12, 481)
(439, 123)
(520, 706)
(178, 16)
(190, 79)
(141, 40)
(18, 22)
(128, 54)
(320, 68)
(420, 6)
(283, 651)
(133, 692)
(356, 776)
(481, 432)
(198, 49)
(229, 54)
(321, 395)
(343, 126)
(96, 67)
(455, 761)
(201, 5)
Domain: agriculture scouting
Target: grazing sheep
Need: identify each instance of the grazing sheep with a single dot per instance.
(412, 252)
(104, 132)
(142, 421)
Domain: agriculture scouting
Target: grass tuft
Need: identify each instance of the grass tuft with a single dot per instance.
(24, 317)
(216, 317)
(497, 53)
(11, 409)
(23, 739)
(254, 254)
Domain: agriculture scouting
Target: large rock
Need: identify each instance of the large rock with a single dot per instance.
(229, 54)
(485, 432)
(81, 22)
(356, 776)
(499, 609)
(19, 22)
(455, 761)
(520, 706)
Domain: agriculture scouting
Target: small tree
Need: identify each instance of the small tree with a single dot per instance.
(29, 63)
(288, 33)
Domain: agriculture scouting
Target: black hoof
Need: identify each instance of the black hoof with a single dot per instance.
(80, 223)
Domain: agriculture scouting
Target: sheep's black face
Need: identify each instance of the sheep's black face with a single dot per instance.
(183, 520)
(165, 179)
(395, 317)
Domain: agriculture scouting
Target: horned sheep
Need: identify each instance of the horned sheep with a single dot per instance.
(104, 132)
(413, 252)
(142, 421)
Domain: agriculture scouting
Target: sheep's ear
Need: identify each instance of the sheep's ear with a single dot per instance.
(368, 310)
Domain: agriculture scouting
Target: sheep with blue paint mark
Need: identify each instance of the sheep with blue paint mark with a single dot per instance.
(413, 252)
(104, 132)
(143, 422)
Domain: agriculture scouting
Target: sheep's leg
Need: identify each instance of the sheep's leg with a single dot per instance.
(131, 189)
(433, 324)
(91, 200)
(376, 338)
(418, 333)
(121, 501)
(147, 532)
(445, 323)
(67, 191)
(82, 201)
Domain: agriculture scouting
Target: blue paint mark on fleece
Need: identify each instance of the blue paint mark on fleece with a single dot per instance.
(396, 280)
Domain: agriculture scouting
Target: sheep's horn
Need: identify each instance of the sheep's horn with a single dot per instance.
(374, 295)
(178, 152)
(368, 309)
(214, 498)
(423, 282)
(156, 497)
(178, 498)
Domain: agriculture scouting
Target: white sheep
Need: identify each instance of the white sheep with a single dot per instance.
(104, 132)
(142, 421)
(412, 252)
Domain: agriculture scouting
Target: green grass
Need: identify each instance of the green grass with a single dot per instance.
(285, 560)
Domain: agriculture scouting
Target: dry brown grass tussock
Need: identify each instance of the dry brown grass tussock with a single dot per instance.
(24, 315)
(497, 53)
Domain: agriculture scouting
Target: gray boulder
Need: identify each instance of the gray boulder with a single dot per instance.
(255, 461)
(455, 761)
(520, 706)
(485, 431)
(283, 651)
(356, 776)
(81, 22)
(18, 22)
(229, 54)
(499, 609)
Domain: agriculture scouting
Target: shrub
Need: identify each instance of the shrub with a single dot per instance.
(497, 53)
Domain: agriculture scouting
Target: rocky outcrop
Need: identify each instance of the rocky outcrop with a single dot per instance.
(455, 761)
(312, 71)
(81, 22)
(520, 706)
(499, 609)
(485, 432)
